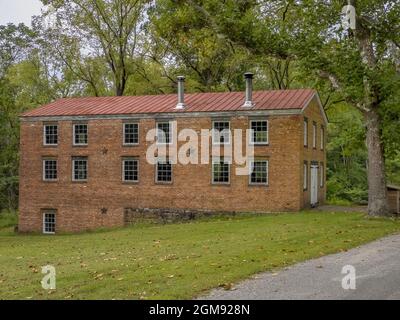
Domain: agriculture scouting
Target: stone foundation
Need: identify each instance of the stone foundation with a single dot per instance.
(167, 215)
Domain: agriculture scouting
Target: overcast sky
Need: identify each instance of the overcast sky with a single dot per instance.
(17, 11)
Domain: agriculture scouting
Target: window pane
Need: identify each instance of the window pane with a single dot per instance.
(51, 134)
(220, 172)
(314, 135)
(322, 138)
(49, 222)
(81, 135)
(259, 131)
(259, 173)
(80, 169)
(50, 169)
(322, 176)
(131, 133)
(130, 170)
(163, 132)
(221, 132)
(164, 171)
(305, 133)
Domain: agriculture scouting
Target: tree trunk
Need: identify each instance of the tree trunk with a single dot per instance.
(377, 193)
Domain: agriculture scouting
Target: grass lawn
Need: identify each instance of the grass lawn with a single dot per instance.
(152, 261)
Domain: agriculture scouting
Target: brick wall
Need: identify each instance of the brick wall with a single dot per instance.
(100, 202)
(309, 154)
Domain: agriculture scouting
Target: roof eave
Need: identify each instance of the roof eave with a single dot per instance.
(181, 114)
(307, 103)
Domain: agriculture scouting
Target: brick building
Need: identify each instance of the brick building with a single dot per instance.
(83, 161)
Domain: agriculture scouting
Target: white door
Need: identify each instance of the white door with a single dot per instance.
(314, 185)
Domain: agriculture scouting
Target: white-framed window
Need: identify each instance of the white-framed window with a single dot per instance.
(50, 134)
(49, 169)
(131, 133)
(220, 171)
(163, 171)
(80, 134)
(221, 132)
(305, 132)
(49, 221)
(259, 132)
(259, 172)
(79, 168)
(321, 175)
(314, 139)
(305, 175)
(164, 132)
(130, 170)
(322, 138)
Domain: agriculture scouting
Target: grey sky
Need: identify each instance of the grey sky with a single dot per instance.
(17, 11)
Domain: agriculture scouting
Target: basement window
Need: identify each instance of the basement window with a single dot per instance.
(80, 134)
(164, 132)
(130, 169)
(259, 131)
(220, 171)
(79, 169)
(259, 172)
(131, 133)
(50, 134)
(221, 132)
(49, 169)
(164, 171)
(49, 222)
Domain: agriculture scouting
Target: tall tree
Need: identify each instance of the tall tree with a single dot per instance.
(361, 64)
(84, 30)
(180, 34)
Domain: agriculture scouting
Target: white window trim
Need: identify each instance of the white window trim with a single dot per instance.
(44, 169)
(156, 172)
(218, 160)
(314, 142)
(123, 170)
(73, 134)
(305, 132)
(171, 134)
(259, 183)
(123, 134)
(322, 175)
(322, 131)
(251, 133)
(218, 143)
(305, 176)
(73, 170)
(44, 220)
(44, 135)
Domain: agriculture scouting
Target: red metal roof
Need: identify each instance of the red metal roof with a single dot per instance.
(195, 102)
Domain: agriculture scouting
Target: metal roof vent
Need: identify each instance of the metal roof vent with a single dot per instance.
(181, 93)
(248, 103)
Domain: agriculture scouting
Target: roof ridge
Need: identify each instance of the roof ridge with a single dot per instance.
(186, 93)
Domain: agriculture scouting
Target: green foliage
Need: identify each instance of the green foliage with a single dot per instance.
(347, 155)
(8, 219)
